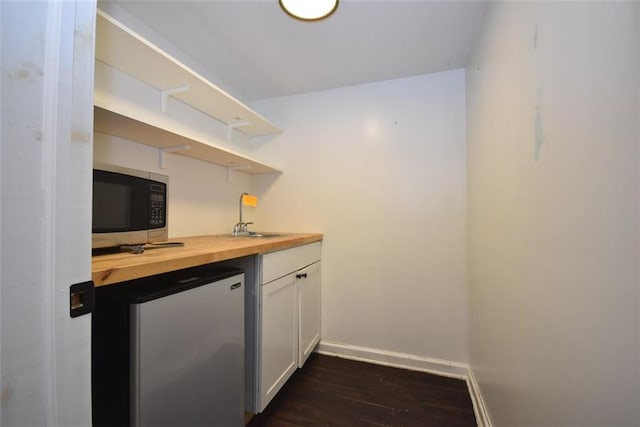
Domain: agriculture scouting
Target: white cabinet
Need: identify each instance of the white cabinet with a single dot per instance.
(289, 315)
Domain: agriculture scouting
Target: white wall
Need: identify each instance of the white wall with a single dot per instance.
(380, 169)
(552, 114)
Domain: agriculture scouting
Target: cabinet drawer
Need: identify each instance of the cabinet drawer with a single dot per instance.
(280, 263)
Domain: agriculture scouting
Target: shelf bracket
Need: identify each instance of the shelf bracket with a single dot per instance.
(169, 92)
(233, 168)
(163, 153)
(232, 126)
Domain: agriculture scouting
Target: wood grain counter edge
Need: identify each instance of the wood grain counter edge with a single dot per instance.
(198, 250)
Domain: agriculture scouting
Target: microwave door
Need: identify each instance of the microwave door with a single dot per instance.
(120, 202)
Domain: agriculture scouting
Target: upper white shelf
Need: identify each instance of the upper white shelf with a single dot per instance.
(123, 49)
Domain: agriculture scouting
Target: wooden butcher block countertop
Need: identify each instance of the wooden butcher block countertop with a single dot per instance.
(199, 250)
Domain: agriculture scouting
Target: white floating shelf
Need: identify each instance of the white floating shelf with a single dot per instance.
(112, 123)
(125, 50)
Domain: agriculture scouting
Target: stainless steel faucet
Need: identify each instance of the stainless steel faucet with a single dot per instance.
(241, 227)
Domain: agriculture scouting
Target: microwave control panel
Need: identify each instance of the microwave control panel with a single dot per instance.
(157, 206)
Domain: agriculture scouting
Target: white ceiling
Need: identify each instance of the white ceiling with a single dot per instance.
(257, 49)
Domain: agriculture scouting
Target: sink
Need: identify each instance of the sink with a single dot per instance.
(263, 235)
(254, 234)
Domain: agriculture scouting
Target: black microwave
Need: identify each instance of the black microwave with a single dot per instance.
(129, 206)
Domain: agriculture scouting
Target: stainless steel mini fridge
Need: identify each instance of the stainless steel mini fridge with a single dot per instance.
(187, 352)
(168, 350)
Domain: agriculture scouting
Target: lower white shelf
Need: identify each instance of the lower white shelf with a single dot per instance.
(112, 123)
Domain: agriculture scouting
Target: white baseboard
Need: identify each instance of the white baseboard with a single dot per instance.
(445, 368)
(441, 367)
(482, 416)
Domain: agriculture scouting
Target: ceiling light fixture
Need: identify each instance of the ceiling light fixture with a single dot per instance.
(309, 10)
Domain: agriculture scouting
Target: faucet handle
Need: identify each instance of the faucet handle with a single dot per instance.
(238, 228)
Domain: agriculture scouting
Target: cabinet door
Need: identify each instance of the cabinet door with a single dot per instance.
(309, 314)
(279, 343)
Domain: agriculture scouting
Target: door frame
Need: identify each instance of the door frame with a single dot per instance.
(46, 157)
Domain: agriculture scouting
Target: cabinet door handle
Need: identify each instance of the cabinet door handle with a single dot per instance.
(301, 275)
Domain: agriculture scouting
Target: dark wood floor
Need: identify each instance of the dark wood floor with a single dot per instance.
(330, 391)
